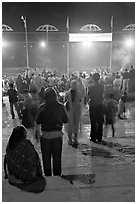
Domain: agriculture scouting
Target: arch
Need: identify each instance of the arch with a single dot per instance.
(6, 28)
(90, 27)
(130, 27)
(46, 28)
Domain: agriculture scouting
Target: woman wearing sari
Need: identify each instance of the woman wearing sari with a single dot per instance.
(73, 108)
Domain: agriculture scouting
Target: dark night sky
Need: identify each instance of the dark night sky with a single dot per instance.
(55, 13)
(80, 13)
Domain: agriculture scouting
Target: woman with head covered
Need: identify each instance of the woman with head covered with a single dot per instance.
(51, 117)
(22, 164)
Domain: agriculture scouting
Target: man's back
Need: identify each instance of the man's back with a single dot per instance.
(132, 74)
(52, 116)
(95, 93)
(12, 93)
(125, 75)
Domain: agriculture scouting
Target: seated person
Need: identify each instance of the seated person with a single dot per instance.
(22, 164)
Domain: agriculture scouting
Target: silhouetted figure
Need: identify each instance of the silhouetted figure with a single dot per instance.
(51, 117)
(96, 108)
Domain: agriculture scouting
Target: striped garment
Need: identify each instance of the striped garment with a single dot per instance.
(23, 162)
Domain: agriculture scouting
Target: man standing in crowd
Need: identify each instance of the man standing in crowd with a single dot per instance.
(51, 116)
(19, 82)
(96, 108)
(125, 80)
(13, 99)
(132, 79)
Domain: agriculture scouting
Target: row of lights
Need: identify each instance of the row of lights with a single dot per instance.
(85, 44)
(41, 44)
(128, 43)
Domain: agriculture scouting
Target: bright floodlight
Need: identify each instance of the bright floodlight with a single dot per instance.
(87, 43)
(4, 43)
(129, 42)
(43, 44)
(22, 17)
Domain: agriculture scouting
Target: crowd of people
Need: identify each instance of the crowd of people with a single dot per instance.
(46, 102)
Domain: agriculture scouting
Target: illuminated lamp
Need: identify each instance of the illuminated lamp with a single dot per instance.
(43, 44)
(4, 43)
(87, 43)
(129, 42)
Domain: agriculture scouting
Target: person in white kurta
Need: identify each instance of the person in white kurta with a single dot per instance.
(73, 112)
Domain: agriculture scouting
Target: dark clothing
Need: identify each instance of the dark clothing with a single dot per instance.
(19, 82)
(117, 76)
(124, 98)
(41, 97)
(29, 115)
(96, 114)
(27, 80)
(132, 74)
(95, 94)
(131, 85)
(125, 75)
(96, 111)
(110, 111)
(37, 186)
(109, 119)
(132, 80)
(51, 147)
(12, 110)
(23, 159)
(51, 117)
(12, 93)
(23, 168)
(109, 89)
(13, 99)
(27, 120)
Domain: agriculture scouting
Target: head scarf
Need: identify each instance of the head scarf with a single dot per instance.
(18, 134)
(73, 85)
(50, 95)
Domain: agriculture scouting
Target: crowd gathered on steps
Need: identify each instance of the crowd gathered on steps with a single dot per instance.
(45, 103)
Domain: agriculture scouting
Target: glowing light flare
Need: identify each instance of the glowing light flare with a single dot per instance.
(4, 43)
(87, 44)
(129, 42)
(43, 44)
